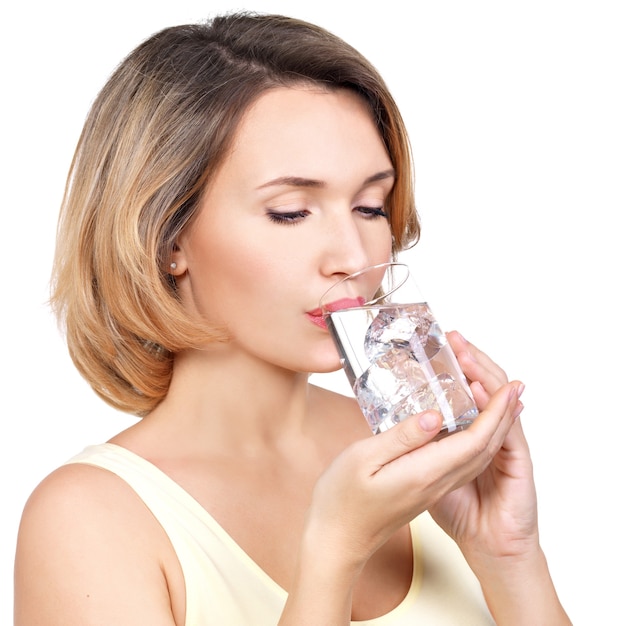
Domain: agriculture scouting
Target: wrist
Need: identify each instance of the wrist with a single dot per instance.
(519, 590)
(323, 571)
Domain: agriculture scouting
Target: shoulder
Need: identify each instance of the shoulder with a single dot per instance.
(79, 507)
(77, 493)
(85, 540)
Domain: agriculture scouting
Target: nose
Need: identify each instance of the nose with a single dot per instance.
(345, 249)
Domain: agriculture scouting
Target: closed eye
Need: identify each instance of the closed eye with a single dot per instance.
(292, 217)
(372, 212)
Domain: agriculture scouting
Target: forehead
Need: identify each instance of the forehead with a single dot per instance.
(301, 103)
(308, 127)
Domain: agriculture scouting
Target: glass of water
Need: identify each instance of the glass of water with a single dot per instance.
(393, 352)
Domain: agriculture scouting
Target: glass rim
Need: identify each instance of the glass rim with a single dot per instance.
(387, 265)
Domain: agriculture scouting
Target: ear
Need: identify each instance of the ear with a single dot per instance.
(177, 263)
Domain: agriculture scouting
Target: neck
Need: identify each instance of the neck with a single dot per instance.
(230, 398)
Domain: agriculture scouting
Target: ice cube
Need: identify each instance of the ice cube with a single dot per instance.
(385, 400)
(410, 327)
(387, 382)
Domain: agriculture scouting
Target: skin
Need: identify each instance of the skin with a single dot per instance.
(295, 207)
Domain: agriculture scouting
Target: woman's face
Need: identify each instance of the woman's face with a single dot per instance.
(298, 204)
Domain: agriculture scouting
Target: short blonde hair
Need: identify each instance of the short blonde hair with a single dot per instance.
(155, 135)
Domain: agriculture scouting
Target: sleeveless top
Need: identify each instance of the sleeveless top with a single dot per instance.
(225, 587)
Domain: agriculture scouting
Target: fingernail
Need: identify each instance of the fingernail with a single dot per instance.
(520, 389)
(428, 421)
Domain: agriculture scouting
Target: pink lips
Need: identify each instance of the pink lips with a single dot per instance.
(317, 316)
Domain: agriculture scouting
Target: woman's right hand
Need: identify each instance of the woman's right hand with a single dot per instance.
(376, 486)
(381, 483)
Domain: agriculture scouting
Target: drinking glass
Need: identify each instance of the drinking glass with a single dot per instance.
(394, 353)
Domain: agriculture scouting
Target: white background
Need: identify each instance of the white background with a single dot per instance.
(517, 116)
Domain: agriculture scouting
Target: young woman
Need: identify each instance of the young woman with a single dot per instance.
(227, 175)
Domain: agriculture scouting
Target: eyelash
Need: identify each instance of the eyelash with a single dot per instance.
(287, 218)
(296, 216)
(372, 212)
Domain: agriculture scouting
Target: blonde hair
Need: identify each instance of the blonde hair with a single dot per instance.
(156, 133)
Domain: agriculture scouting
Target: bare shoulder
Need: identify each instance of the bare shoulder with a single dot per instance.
(82, 498)
(88, 552)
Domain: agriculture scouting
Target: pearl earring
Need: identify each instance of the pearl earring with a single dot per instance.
(173, 265)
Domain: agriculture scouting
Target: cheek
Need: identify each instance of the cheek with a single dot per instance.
(249, 289)
(386, 250)
(379, 245)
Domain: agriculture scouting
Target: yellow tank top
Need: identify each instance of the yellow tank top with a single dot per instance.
(225, 587)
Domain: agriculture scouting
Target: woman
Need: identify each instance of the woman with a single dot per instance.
(227, 175)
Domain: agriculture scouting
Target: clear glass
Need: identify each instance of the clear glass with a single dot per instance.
(392, 350)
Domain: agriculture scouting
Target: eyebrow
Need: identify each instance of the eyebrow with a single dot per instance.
(299, 181)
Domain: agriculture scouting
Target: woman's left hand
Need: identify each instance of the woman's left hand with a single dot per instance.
(494, 515)
(493, 518)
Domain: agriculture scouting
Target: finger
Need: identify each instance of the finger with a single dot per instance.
(515, 438)
(487, 432)
(476, 365)
(461, 345)
(453, 461)
(513, 409)
(481, 397)
(406, 436)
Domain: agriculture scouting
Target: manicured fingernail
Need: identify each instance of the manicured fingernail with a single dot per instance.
(428, 421)
(520, 389)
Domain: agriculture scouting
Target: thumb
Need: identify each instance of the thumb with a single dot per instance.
(409, 434)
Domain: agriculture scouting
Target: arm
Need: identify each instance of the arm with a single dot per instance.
(494, 517)
(519, 591)
(88, 552)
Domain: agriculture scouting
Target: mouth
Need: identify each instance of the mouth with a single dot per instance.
(317, 315)
(317, 318)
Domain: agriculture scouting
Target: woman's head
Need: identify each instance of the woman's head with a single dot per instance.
(156, 134)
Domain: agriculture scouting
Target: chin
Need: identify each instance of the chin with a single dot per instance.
(313, 358)
(326, 370)
(324, 363)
